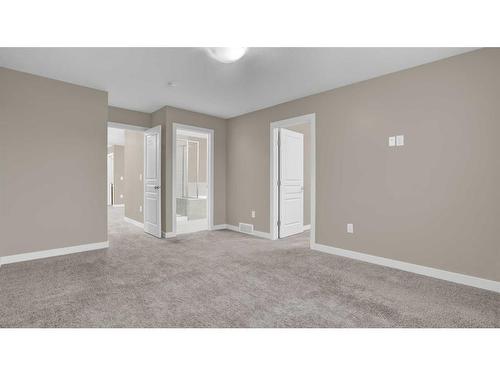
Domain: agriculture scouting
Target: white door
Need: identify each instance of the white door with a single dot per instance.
(152, 181)
(110, 179)
(291, 183)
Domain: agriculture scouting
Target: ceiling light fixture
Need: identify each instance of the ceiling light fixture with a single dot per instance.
(226, 54)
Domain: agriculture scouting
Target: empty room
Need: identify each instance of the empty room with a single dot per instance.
(338, 209)
(275, 187)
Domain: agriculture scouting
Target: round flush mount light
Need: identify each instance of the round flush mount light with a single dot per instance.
(226, 54)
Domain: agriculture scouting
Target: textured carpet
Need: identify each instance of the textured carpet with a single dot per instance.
(227, 279)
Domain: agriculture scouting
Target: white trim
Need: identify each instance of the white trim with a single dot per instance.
(168, 234)
(210, 150)
(134, 222)
(273, 160)
(414, 268)
(118, 125)
(219, 227)
(307, 227)
(119, 205)
(255, 233)
(53, 252)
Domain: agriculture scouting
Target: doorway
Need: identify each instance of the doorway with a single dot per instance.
(192, 179)
(126, 185)
(292, 176)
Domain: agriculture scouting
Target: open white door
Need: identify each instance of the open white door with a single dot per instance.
(152, 181)
(291, 183)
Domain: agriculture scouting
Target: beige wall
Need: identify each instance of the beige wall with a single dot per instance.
(134, 169)
(119, 176)
(305, 129)
(434, 202)
(126, 116)
(166, 117)
(52, 164)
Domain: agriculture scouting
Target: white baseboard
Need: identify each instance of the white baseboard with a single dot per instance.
(414, 268)
(219, 227)
(256, 233)
(307, 227)
(134, 222)
(119, 205)
(53, 252)
(168, 234)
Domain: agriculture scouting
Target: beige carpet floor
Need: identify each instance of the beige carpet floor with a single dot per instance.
(227, 279)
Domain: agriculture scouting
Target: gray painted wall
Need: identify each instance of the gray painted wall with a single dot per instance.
(52, 164)
(434, 202)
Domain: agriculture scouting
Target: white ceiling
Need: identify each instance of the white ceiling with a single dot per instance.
(136, 78)
(116, 136)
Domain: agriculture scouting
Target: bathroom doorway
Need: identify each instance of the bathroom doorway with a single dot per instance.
(192, 179)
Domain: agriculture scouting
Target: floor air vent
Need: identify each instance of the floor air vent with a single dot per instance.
(246, 228)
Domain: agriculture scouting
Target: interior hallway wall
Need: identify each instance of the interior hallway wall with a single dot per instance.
(119, 176)
(134, 170)
(433, 202)
(53, 148)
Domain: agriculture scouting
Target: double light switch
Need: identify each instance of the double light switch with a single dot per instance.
(398, 140)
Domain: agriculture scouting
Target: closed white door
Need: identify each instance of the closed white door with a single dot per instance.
(152, 181)
(291, 183)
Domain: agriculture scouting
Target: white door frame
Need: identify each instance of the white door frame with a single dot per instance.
(273, 161)
(111, 170)
(118, 125)
(210, 150)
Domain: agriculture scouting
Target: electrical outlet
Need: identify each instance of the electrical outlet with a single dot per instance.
(140, 176)
(253, 214)
(140, 208)
(121, 196)
(350, 228)
(121, 178)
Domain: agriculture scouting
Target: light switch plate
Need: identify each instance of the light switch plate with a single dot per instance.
(350, 228)
(253, 214)
(400, 140)
(140, 176)
(392, 141)
(140, 208)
